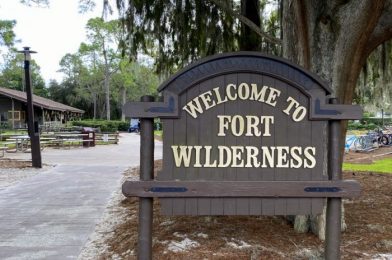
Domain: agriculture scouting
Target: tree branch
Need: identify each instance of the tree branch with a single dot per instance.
(246, 21)
(383, 30)
(303, 34)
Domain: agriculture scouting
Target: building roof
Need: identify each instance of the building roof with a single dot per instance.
(39, 101)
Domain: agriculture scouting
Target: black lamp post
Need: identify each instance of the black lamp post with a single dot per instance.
(32, 125)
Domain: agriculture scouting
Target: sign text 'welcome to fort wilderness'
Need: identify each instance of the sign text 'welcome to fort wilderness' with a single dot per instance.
(243, 134)
(245, 125)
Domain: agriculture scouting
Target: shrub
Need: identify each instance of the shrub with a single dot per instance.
(360, 126)
(109, 126)
(376, 121)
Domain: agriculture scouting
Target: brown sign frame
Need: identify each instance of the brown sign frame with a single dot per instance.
(320, 108)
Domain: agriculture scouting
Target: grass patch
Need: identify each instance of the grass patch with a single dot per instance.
(8, 145)
(13, 132)
(384, 166)
(158, 132)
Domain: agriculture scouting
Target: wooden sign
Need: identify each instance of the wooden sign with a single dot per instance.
(244, 134)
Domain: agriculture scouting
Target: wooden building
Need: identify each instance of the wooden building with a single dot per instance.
(13, 109)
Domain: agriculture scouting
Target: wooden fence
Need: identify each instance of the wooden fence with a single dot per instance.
(15, 143)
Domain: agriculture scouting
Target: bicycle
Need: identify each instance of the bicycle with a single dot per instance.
(383, 137)
(366, 143)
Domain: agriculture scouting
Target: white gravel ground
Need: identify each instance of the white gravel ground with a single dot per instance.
(114, 215)
(11, 176)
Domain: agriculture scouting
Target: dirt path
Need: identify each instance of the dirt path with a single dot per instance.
(381, 153)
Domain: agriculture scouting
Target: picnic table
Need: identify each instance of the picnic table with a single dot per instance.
(21, 142)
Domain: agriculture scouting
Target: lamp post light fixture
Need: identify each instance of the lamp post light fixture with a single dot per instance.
(31, 123)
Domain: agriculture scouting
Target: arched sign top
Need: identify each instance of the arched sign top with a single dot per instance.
(240, 63)
(247, 62)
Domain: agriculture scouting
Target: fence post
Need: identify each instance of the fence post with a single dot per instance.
(334, 205)
(146, 173)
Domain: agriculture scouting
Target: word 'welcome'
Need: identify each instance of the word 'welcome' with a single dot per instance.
(243, 91)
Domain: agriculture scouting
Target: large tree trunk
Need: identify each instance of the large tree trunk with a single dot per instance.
(107, 93)
(250, 41)
(106, 83)
(333, 39)
(123, 101)
(95, 105)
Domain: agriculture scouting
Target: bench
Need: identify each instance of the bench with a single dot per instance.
(3, 149)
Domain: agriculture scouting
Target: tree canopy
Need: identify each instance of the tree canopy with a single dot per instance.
(7, 35)
(176, 33)
(97, 78)
(12, 74)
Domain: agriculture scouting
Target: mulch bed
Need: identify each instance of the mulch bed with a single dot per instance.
(369, 221)
(9, 163)
(369, 218)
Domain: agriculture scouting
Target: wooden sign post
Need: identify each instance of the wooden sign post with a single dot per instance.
(243, 134)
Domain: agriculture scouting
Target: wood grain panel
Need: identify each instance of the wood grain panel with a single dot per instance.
(305, 205)
(167, 167)
(268, 205)
(194, 133)
(256, 108)
(244, 189)
(280, 136)
(217, 204)
(180, 138)
(293, 130)
(207, 132)
(230, 108)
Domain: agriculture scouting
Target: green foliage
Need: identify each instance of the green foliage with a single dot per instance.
(109, 126)
(97, 68)
(7, 35)
(137, 80)
(375, 121)
(157, 124)
(97, 73)
(360, 126)
(12, 74)
(374, 86)
(367, 123)
(368, 114)
(178, 32)
(272, 26)
(382, 166)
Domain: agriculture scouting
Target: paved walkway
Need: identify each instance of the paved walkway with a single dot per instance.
(51, 215)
